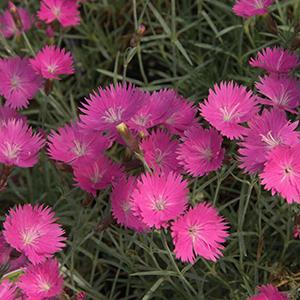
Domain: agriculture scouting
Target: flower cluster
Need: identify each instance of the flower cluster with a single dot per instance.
(31, 232)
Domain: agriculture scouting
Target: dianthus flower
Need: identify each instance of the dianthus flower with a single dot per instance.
(265, 133)
(18, 145)
(8, 26)
(201, 151)
(250, 8)
(281, 92)
(7, 113)
(96, 174)
(282, 172)
(227, 107)
(73, 145)
(122, 206)
(199, 232)
(269, 292)
(51, 62)
(66, 12)
(41, 281)
(159, 198)
(33, 230)
(7, 290)
(18, 81)
(275, 60)
(110, 107)
(160, 151)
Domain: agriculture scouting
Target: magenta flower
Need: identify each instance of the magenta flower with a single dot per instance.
(265, 133)
(66, 12)
(227, 107)
(7, 113)
(33, 230)
(96, 174)
(51, 62)
(201, 151)
(110, 107)
(72, 145)
(199, 232)
(122, 206)
(282, 172)
(275, 60)
(18, 145)
(8, 26)
(159, 198)
(160, 152)
(154, 111)
(7, 290)
(281, 92)
(182, 115)
(250, 8)
(41, 281)
(18, 82)
(269, 292)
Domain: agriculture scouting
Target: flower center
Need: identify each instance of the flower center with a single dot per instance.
(284, 97)
(79, 149)
(207, 154)
(52, 68)
(29, 237)
(159, 204)
(193, 232)
(56, 11)
(259, 4)
(270, 140)
(159, 156)
(113, 115)
(97, 175)
(11, 151)
(229, 113)
(45, 286)
(15, 82)
(126, 206)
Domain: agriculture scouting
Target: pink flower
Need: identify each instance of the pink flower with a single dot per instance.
(159, 198)
(122, 206)
(182, 115)
(18, 81)
(249, 8)
(265, 133)
(72, 145)
(160, 152)
(282, 92)
(227, 107)
(18, 145)
(96, 174)
(7, 290)
(51, 62)
(66, 12)
(7, 113)
(8, 26)
(269, 292)
(201, 151)
(199, 232)
(110, 107)
(275, 60)
(155, 109)
(41, 281)
(282, 172)
(33, 231)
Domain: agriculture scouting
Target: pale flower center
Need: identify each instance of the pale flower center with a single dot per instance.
(97, 175)
(284, 97)
(159, 204)
(259, 4)
(56, 11)
(15, 82)
(193, 232)
(29, 237)
(52, 68)
(113, 115)
(141, 120)
(207, 154)
(79, 149)
(45, 286)
(159, 156)
(270, 140)
(126, 206)
(11, 151)
(229, 113)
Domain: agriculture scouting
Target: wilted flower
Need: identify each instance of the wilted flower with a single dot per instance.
(18, 145)
(66, 12)
(51, 62)
(227, 107)
(201, 151)
(18, 81)
(265, 133)
(33, 230)
(41, 281)
(159, 198)
(201, 231)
